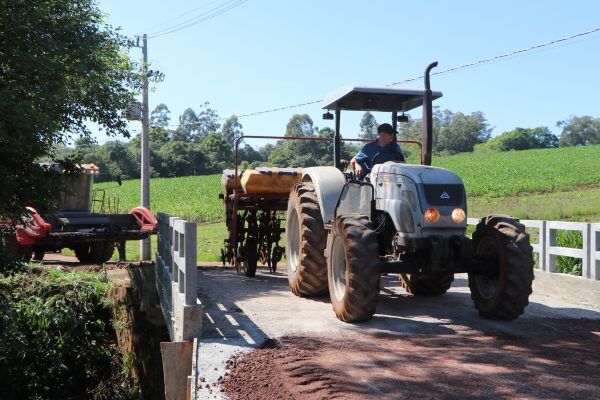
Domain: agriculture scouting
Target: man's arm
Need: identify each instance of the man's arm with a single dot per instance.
(358, 158)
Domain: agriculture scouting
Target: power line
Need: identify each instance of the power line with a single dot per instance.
(212, 13)
(471, 64)
(463, 66)
(494, 58)
(187, 13)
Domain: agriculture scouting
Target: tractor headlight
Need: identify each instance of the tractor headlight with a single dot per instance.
(458, 215)
(432, 215)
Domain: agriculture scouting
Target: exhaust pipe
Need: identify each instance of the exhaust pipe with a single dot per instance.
(427, 124)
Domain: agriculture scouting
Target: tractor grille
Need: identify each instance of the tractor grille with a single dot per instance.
(444, 195)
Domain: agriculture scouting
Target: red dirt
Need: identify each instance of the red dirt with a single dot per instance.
(552, 359)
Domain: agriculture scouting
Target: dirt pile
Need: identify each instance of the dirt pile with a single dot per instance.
(551, 359)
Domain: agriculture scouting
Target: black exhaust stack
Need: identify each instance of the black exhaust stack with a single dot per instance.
(427, 133)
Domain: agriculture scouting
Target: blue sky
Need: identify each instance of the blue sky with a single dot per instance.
(267, 53)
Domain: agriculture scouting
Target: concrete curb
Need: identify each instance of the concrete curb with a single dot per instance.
(570, 288)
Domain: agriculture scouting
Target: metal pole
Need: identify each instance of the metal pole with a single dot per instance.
(427, 124)
(336, 142)
(395, 120)
(145, 249)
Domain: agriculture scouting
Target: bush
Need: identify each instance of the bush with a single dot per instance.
(521, 139)
(569, 265)
(56, 339)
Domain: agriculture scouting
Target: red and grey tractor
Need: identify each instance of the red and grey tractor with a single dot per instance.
(343, 233)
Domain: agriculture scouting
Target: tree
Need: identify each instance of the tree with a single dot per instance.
(208, 122)
(159, 117)
(188, 126)
(300, 125)
(522, 139)
(579, 131)
(452, 132)
(232, 130)
(60, 67)
(218, 153)
(368, 126)
(462, 133)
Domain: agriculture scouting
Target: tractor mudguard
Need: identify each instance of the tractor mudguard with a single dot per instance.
(33, 227)
(328, 183)
(145, 219)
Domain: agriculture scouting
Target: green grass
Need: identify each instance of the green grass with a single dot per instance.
(582, 204)
(195, 198)
(530, 171)
(210, 241)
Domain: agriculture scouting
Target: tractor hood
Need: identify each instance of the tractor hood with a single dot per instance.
(418, 173)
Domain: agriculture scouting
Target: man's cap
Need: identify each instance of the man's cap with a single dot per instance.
(386, 128)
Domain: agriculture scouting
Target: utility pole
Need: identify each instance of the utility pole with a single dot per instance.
(145, 245)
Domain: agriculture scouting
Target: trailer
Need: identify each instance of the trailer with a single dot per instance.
(86, 221)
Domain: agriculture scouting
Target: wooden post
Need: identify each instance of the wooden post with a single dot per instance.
(177, 366)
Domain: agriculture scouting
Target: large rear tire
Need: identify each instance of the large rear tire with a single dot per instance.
(305, 242)
(428, 285)
(352, 258)
(503, 294)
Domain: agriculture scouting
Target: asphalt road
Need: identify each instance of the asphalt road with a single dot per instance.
(414, 347)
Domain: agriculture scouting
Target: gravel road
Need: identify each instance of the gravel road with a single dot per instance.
(261, 342)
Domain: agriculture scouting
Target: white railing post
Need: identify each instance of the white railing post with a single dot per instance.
(595, 251)
(176, 277)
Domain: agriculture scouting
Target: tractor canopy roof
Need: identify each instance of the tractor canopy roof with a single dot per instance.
(376, 98)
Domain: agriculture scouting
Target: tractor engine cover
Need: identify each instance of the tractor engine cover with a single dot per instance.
(406, 191)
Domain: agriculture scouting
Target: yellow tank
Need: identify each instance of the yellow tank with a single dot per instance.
(270, 181)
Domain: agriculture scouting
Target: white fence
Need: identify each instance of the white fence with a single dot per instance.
(176, 276)
(547, 249)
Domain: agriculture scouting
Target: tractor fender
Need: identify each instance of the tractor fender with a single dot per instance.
(145, 219)
(33, 227)
(328, 182)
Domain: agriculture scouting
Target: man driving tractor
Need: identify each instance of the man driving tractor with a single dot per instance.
(385, 148)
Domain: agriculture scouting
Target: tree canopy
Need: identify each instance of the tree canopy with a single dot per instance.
(368, 126)
(522, 139)
(579, 131)
(61, 66)
(452, 132)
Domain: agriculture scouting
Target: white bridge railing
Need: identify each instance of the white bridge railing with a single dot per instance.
(176, 276)
(548, 250)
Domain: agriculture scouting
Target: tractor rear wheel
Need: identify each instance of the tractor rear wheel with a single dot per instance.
(503, 293)
(352, 249)
(428, 285)
(305, 243)
(38, 255)
(95, 253)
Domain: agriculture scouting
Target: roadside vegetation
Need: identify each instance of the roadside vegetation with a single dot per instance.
(57, 338)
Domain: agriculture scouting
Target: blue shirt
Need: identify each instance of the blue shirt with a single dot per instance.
(389, 152)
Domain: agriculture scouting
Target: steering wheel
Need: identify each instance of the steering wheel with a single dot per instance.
(380, 154)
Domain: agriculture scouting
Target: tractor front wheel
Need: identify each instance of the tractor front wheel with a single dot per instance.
(503, 291)
(352, 272)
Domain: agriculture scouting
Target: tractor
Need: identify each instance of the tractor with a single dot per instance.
(85, 221)
(343, 233)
